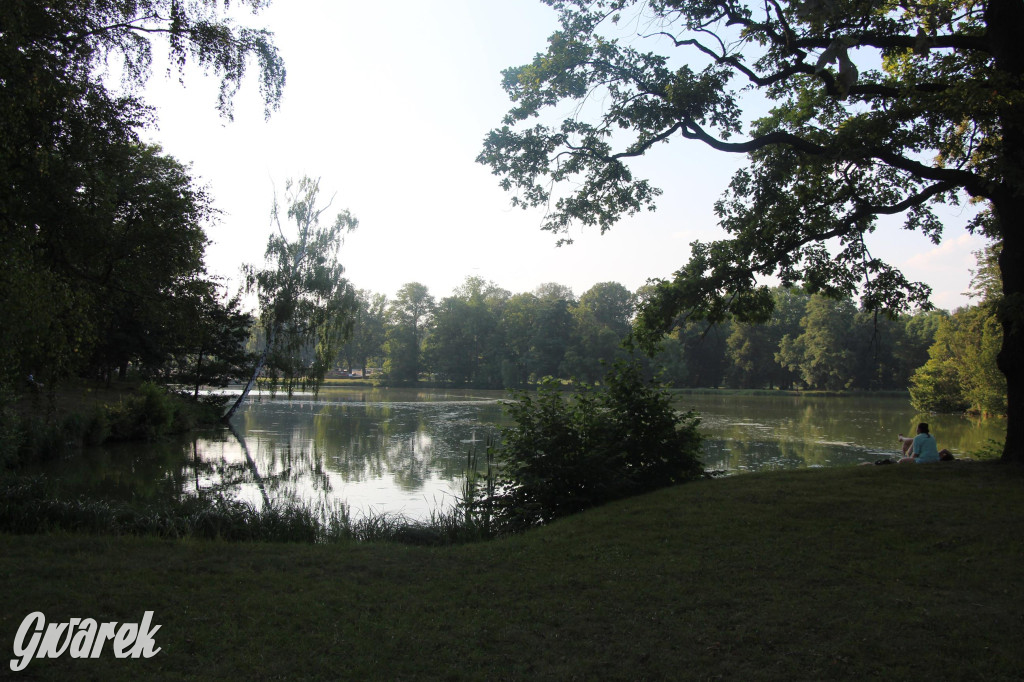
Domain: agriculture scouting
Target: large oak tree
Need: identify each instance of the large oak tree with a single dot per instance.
(877, 108)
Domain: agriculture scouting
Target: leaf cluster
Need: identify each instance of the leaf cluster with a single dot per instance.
(87, 38)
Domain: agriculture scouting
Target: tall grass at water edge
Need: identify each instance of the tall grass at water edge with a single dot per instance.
(28, 505)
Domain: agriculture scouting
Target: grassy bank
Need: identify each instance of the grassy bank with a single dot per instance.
(868, 572)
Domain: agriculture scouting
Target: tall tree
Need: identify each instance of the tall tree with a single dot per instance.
(304, 300)
(465, 344)
(410, 312)
(65, 144)
(752, 347)
(84, 38)
(555, 330)
(879, 108)
(518, 326)
(918, 336)
(603, 316)
(211, 339)
(369, 330)
(138, 246)
(694, 355)
(822, 353)
(961, 373)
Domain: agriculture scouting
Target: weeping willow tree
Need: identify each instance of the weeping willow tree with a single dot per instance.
(306, 307)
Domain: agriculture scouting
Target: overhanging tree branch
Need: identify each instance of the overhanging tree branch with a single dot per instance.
(973, 183)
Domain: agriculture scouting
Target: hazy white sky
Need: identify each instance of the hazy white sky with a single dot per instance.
(389, 105)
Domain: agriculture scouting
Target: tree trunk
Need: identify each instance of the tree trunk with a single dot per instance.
(1011, 316)
(255, 375)
(1003, 19)
(199, 370)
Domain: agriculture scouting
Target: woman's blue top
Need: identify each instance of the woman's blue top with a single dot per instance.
(925, 449)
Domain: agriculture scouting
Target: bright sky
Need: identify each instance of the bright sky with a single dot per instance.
(389, 105)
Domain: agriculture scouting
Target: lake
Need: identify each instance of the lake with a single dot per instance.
(404, 451)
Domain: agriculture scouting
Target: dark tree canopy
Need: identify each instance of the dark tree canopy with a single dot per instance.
(877, 108)
(101, 238)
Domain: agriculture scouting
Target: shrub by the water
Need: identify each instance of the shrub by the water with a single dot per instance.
(147, 415)
(151, 413)
(565, 454)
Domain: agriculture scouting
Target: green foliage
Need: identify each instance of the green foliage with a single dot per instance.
(875, 109)
(144, 416)
(839, 148)
(97, 428)
(566, 454)
(140, 257)
(83, 37)
(99, 233)
(410, 313)
(464, 344)
(753, 347)
(822, 352)
(603, 317)
(483, 336)
(369, 328)
(961, 373)
(212, 332)
(151, 413)
(992, 450)
(808, 342)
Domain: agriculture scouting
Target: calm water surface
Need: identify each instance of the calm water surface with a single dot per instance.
(751, 433)
(404, 450)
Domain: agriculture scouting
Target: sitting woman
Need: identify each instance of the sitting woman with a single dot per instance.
(922, 448)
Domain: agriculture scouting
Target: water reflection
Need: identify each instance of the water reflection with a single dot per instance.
(750, 433)
(380, 451)
(404, 451)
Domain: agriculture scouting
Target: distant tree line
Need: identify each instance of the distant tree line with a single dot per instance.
(485, 336)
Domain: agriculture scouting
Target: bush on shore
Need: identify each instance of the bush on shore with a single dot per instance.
(565, 454)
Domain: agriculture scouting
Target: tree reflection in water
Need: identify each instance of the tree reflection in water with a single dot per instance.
(405, 451)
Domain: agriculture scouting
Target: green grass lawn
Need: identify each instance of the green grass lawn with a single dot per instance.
(900, 572)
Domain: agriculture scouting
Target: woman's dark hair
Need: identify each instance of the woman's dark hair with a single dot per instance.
(922, 428)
